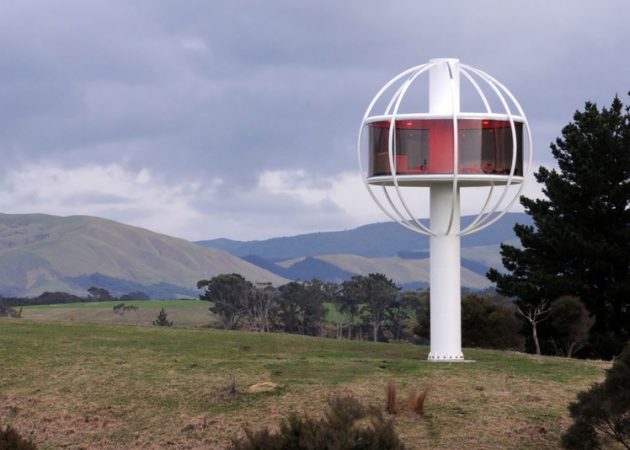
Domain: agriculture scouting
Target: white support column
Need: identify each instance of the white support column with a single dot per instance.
(445, 271)
(445, 262)
(441, 101)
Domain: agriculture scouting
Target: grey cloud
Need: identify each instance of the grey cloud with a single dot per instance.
(95, 198)
(200, 90)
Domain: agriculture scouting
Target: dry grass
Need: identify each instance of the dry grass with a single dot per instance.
(107, 387)
(391, 403)
(416, 401)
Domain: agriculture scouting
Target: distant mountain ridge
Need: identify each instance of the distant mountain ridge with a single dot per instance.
(304, 269)
(381, 247)
(373, 240)
(40, 253)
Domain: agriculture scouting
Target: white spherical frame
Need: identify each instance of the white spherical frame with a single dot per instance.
(485, 218)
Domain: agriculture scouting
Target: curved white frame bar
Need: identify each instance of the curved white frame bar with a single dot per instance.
(363, 175)
(480, 223)
(488, 111)
(455, 109)
(392, 147)
(479, 220)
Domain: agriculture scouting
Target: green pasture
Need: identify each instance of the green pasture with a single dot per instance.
(111, 386)
(109, 305)
(183, 313)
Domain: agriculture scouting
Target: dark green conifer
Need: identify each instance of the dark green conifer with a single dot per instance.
(579, 243)
(162, 320)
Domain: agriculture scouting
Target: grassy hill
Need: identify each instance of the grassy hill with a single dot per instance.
(387, 248)
(98, 386)
(373, 240)
(40, 252)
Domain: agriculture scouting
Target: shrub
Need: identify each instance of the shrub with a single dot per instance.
(488, 323)
(120, 308)
(162, 319)
(226, 394)
(416, 401)
(337, 430)
(572, 323)
(11, 440)
(7, 311)
(602, 414)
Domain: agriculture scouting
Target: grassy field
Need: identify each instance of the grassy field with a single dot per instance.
(183, 313)
(76, 385)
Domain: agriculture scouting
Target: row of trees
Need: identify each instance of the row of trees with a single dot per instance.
(365, 306)
(295, 307)
(95, 294)
(373, 307)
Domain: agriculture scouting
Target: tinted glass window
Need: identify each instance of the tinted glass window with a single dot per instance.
(426, 147)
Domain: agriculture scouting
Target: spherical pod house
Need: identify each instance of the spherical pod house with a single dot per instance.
(444, 149)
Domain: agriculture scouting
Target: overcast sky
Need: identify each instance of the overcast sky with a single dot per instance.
(206, 119)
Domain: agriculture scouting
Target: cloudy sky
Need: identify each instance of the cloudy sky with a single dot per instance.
(206, 119)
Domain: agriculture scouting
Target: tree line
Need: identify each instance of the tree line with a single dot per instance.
(94, 294)
(365, 307)
(374, 308)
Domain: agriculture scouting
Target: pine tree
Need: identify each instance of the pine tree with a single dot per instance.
(162, 320)
(580, 241)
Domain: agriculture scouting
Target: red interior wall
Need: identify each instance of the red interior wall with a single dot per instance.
(441, 147)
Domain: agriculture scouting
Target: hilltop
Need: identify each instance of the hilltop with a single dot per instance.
(41, 252)
(373, 240)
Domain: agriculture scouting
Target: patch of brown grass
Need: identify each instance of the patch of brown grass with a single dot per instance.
(391, 403)
(416, 400)
(492, 418)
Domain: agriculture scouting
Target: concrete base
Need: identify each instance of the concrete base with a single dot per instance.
(441, 358)
(451, 361)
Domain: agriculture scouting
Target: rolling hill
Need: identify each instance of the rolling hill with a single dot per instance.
(381, 247)
(40, 253)
(373, 240)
